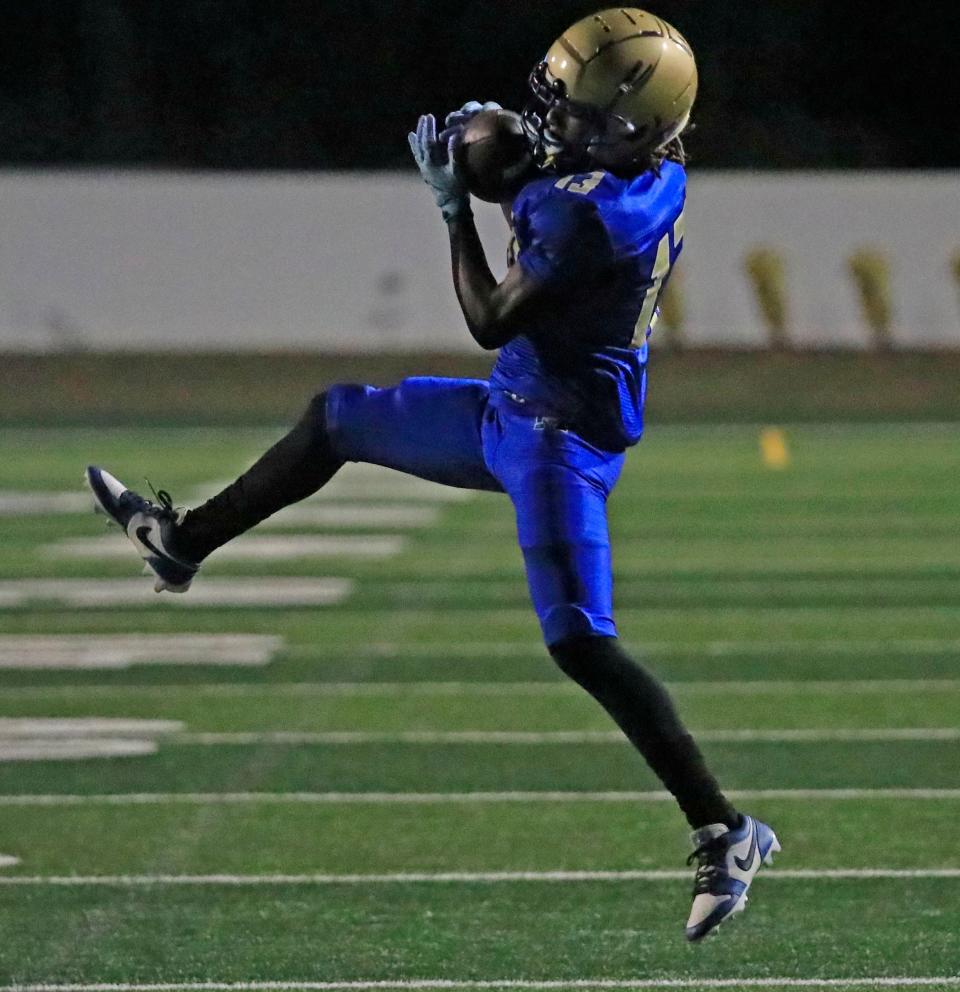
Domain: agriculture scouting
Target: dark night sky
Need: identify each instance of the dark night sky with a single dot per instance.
(301, 84)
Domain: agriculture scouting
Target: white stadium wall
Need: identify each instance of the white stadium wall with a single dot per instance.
(359, 262)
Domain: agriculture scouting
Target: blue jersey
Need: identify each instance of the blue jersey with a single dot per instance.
(604, 247)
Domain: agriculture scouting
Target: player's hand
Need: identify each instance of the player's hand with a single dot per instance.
(456, 120)
(467, 112)
(436, 161)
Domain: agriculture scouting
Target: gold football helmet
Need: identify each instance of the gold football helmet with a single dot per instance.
(629, 71)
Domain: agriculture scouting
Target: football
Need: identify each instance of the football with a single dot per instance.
(494, 156)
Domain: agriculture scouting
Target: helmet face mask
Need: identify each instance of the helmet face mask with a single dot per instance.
(594, 128)
(616, 87)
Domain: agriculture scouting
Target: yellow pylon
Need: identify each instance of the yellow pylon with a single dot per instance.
(773, 448)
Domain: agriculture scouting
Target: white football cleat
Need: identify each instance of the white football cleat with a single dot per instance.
(149, 526)
(727, 860)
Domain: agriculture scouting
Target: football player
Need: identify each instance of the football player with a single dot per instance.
(595, 232)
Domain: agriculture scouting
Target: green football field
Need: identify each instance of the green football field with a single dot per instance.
(345, 761)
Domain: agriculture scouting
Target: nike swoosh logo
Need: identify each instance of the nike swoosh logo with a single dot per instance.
(745, 864)
(143, 536)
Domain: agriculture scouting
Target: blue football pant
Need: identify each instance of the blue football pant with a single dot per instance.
(451, 431)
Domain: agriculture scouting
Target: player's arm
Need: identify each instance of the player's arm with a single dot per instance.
(494, 311)
(567, 250)
(568, 246)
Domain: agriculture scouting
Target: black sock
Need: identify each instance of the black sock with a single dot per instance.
(294, 468)
(644, 711)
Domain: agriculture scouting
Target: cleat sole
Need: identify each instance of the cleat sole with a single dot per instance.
(774, 849)
(161, 586)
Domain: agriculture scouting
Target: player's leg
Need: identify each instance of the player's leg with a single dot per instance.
(298, 465)
(644, 711)
(559, 488)
(729, 847)
(425, 426)
(174, 543)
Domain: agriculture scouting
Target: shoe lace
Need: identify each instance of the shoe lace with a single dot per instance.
(164, 501)
(711, 864)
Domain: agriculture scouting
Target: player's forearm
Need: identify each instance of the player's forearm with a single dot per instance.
(476, 286)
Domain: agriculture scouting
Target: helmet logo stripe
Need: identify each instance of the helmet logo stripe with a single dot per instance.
(569, 48)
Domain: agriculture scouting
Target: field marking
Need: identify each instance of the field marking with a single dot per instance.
(400, 689)
(79, 738)
(8, 861)
(715, 649)
(722, 649)
(477, 985)
(364, 481)
(470, 877)
(115, 651)
(381, 483)
(266, 592)
(287, 547)
(359, 481)
(74, 748)
(444, 798)
(354, 515)
(51, 727)
(743, 736)
(22, 503)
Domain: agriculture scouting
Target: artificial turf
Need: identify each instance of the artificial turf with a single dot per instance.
(831, 588)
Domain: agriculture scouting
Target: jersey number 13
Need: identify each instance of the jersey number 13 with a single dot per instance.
(661, 269)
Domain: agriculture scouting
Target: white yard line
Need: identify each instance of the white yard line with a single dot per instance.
(796, 736)
(718, 649)
(816, 687)
(359, 516)
(456, 798)
(359, 481)
(252, 547)
(21, 503)
(479, 985)
(112, 651)
(8, 861)
(350, 484)
(12, 728)
(362, 481)
(399, 689)
(73, 749)
(471, 877)
(266, 592)
(78, 738)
